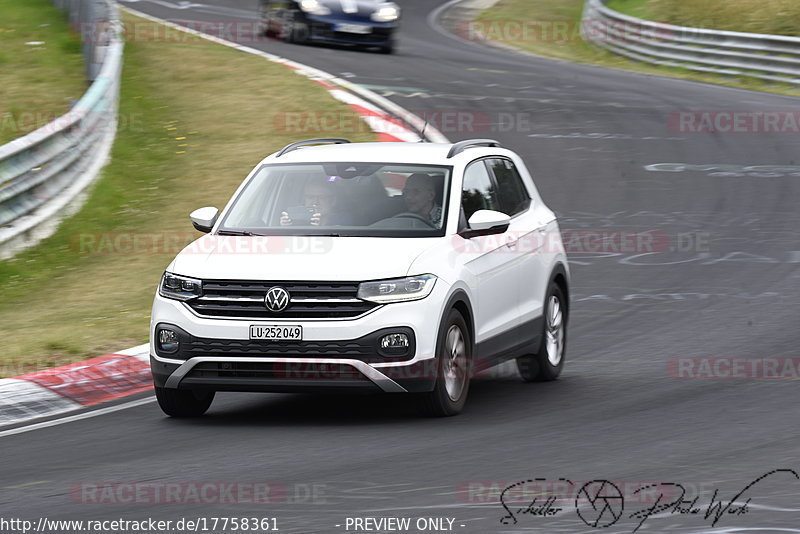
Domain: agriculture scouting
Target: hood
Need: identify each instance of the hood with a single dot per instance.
(359, 9)
(305, 258)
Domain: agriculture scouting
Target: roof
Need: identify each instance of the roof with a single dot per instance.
(426, 153)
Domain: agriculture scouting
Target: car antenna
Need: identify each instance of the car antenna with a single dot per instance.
(422, 133)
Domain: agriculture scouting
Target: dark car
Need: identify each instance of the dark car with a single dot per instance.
(351, 22)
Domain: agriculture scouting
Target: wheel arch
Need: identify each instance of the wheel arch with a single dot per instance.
(459, 301)
(560, 276)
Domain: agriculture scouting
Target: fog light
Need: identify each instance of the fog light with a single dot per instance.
(394, 341)
(168, 341)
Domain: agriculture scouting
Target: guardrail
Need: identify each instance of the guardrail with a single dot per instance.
(43, 173)
(768, 57)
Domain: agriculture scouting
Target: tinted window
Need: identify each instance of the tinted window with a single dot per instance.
(478, 192)
(511, 193)
(343, 198)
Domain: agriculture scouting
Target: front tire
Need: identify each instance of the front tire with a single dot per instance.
(184, 403)
(454, 367)
(547, 362)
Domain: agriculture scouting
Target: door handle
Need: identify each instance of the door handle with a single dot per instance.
(539, 237)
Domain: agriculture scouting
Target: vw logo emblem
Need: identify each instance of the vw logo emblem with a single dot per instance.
(277, 299)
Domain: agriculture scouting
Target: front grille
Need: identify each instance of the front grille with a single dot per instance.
(309, 300)
(365, 348)
(324, 30)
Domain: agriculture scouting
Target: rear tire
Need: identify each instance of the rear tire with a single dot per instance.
(294, 32)
(454, 368)
(184, 403)
(547, 362)
(287, 29)
(265, 21)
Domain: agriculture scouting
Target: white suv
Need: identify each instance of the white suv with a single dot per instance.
(394, 267)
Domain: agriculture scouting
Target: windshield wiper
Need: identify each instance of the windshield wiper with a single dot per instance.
(250, 234)
(236, 232)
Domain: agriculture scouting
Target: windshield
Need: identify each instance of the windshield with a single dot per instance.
(346, 199)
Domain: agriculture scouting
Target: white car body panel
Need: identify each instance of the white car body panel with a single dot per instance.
(503, 276)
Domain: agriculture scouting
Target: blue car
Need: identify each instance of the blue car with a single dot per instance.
(370, 23)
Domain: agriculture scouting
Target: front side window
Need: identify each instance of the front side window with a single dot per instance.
(347, 199)
(478, 192)
(512, 196)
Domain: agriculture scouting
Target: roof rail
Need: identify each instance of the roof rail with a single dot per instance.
(461, 146)
(321, 141)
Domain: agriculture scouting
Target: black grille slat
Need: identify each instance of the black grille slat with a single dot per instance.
(365, 348)
(276, 371)
(294, 349)
(227, 287)
(256, 309)
(322, 309)
(255, 313)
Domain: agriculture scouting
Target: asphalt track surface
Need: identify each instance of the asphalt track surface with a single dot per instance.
(618, 413)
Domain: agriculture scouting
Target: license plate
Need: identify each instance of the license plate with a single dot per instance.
(353, 28)
(276, 332)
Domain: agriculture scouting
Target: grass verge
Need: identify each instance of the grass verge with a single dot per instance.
(554, 31)
(41, 66)
(195, 117)
(776, 17)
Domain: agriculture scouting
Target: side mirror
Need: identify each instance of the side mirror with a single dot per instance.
(203, 219)
(486, 222)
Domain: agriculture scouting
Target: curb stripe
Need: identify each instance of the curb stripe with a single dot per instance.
(21, 401)
(96, 380)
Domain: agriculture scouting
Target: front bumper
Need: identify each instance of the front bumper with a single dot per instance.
(279, 375)
(324, 29)
(216, 353)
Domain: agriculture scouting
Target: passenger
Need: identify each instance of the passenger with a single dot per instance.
(419, 195)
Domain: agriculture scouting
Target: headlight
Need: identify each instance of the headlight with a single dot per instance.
(387, 13)
(397, 290)
(314, 7)
(180, 287)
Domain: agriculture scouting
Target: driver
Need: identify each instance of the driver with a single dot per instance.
(419, 195)
(321, 196)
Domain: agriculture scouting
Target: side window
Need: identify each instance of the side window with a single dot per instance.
(512, 196)
(478, 192)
